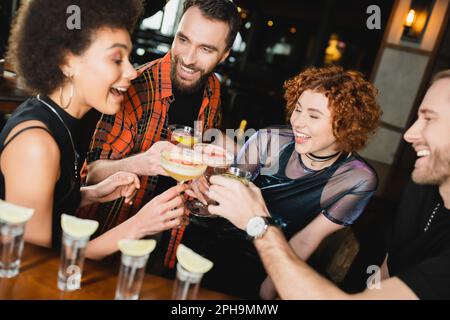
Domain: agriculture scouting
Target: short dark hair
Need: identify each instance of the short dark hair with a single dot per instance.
(222, 10)
(40, 38)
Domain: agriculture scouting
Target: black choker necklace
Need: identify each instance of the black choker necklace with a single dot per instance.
(315, 158)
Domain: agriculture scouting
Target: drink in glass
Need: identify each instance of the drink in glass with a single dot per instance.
(236, 173)
(134, 258)
(186, 284)
(12, 227)
(182, 165)
(218, 161)
(197, 208)
(11, 247)
(190, 270)
(73, 251)
(183, 136)
(76, 234)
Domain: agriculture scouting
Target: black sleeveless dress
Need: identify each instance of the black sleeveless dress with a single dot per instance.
(67, 194)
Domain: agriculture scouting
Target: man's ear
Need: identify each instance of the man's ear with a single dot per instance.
(225, 55)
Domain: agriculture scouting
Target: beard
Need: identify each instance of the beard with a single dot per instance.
(179, 86)
(436, 171)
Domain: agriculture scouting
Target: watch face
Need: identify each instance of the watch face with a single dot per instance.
(256, 226)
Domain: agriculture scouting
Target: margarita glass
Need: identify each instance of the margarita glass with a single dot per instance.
(182, 165)
(218, 161)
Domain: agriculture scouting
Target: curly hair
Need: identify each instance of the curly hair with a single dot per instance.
(351, 99)
(222, 10)
(40, 38)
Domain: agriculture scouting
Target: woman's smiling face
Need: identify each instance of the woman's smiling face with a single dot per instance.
(311, 122)
(103, 73)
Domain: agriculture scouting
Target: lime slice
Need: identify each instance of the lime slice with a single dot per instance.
(14, 214)
(136, 248)
(191, 261)
(186, 140)
(78, 228)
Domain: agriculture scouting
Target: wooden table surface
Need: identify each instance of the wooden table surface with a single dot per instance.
(38, 276)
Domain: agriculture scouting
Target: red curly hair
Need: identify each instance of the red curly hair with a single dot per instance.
(351, 99)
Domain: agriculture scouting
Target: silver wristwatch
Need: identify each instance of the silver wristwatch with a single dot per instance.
(257, 226)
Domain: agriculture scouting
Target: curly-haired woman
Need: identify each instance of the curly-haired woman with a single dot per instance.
(71, 70)
(309, 173)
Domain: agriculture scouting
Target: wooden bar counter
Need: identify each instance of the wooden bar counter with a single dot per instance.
(38, 276)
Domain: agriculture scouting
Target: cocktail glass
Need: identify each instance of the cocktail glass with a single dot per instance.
(218, 161)
(183, 136)
(237, 173)
(182, 165)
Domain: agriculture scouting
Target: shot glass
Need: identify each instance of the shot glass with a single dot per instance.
(71, 264)
(11, 247)
(186, 284)
(131, 274)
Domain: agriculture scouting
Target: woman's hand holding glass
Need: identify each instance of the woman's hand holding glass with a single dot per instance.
(163, 212)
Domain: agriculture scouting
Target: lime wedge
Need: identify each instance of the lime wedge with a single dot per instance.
(78, 228)
(14, 214)
(186, 140)
(136, 248)
(191, 261)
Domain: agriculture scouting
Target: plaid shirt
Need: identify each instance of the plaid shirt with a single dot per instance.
(142, 122)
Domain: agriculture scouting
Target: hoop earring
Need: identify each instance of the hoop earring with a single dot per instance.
(70, 97)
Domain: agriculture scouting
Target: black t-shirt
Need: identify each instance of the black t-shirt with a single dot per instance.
(421, 259)
(185, 107)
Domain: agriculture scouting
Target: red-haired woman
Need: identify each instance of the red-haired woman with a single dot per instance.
(309, 173)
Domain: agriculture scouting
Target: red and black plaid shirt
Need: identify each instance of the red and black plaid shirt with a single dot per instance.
(142, 122)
